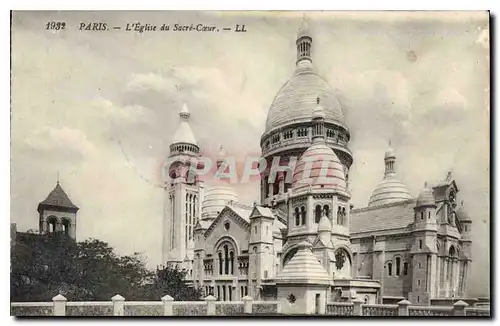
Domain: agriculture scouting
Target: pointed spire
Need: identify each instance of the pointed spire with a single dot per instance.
(57, 198)
(184, 134)
(184, 114)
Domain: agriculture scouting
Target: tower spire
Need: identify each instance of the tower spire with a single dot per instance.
(184, 140)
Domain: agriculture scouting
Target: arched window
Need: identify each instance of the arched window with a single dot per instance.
(429, 215)
(389, 268)
(452, 252)
(231, 259)
(398, 267)
(340, 218)
(297, 216)
(66, 226)
(221, 261)
(51, 224)
(276, 187)
(303, 215)
(405, 268)
(326, 211)
(421, 215)
(317, 213)
(226, 260)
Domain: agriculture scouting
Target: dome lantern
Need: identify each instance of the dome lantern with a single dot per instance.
(304, 42)
(318, 127)
(390, 189)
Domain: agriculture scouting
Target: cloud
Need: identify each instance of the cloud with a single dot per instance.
(49, 139)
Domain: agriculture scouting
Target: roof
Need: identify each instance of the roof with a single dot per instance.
(184, 134)
(262, 212)
(390, 216)
(297, 97)
(243, 212)
(58, 198)
(203, 224)
(303, 266)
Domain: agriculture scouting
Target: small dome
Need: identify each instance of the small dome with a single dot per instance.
(216, 198)
(463, 214)
(426, 197)
(389, 190)
(324, 224)
(322, 157)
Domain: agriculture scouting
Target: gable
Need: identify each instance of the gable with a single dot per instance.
(239, 230)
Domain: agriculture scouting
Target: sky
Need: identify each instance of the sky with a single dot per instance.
(99, 108)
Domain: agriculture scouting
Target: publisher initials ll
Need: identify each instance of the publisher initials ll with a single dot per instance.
(240, 28)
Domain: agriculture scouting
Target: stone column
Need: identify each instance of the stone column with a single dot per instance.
(403, 308)
(168, 308)
(118, 305)
(247, 304)
(59, 305)
(459, 308)
(357, 309)
(210, 305)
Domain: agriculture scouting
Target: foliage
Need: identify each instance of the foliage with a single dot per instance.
(167, 280)
(43, 266)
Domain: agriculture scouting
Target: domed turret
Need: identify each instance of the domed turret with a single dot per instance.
(390, 189)
(215, 199)
(319, 166)
(463, 214)
(426, 197)
(300, 92)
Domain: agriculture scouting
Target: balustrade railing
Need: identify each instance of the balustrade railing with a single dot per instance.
(379, 310)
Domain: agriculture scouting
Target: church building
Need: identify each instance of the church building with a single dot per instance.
(303, 239)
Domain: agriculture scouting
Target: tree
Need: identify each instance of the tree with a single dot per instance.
(44, 265)
(171, 281)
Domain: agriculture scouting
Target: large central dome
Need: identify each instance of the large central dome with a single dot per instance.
(294, 100)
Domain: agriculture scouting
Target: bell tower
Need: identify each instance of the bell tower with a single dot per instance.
(182, 195)
(57, 213)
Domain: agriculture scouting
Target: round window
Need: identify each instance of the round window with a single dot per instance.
(226, 226)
